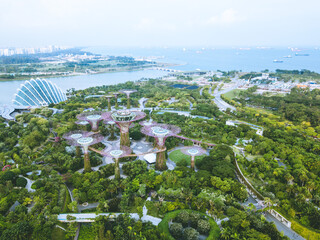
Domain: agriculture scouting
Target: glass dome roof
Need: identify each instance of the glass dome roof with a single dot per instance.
(39, 92)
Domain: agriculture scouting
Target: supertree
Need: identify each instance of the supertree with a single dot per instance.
(160, 132)
(111, 123)
(124, 119)
(193, 151)
(117, 153)
(148, 123)
(83, 139)
(128, 92)
(75, 135)
(108, 97)
(115, 94)
(93, 118)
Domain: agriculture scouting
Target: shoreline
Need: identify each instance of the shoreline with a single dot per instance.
(86, 74)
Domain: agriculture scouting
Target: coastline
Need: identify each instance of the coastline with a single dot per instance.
(87, 74)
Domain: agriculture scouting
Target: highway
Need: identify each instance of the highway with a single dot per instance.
(222, 105)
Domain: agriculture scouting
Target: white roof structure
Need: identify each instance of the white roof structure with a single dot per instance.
(150, 158)
(39, 92)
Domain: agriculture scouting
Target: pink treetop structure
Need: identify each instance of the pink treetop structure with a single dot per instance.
(117, 153)
(149, 123)
(83, 139)
(128, 92)
(160, 132)
(74, 135)
(193, 151)
(93, 118)
(124, 119)
(82, 123)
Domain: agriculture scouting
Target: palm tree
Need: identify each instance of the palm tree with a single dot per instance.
(268, 203)
(226, 233)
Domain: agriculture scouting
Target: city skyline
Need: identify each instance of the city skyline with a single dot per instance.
(158, 24)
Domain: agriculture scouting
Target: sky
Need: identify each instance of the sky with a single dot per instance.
(151, 23)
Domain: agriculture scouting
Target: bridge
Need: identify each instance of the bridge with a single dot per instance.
(90, 217)
(195, 141)
(154, 150)
(167, 69)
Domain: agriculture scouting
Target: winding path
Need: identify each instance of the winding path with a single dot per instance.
(29, 184)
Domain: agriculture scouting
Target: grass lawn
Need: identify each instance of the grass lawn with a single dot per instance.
(177, 156)
(58, 234)
(233, 93)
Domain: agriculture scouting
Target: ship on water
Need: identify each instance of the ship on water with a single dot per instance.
(288, 56)
(302, 54)
(277, 61)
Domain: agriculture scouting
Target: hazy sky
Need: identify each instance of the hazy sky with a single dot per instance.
(160, 23)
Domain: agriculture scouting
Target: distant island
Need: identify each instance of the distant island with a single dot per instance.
(67, 62)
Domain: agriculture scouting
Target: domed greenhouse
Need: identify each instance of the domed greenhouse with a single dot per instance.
(39, 92)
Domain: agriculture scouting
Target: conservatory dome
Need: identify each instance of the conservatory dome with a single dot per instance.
(39, 92)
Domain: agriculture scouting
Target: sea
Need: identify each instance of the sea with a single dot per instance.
(185, 59)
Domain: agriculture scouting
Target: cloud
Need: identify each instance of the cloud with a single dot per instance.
(227, 17)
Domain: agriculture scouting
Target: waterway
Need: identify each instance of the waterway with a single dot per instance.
(188, 59)
(9, 88)
(225, 59)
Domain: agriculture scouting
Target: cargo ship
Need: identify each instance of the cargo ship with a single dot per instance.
(302, 54)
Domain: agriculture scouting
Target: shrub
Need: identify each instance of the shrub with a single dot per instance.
(83, 197)
(183, 217)
(21, 230)
(203, 226)
(194, 218)
(136, 135)
(8, 176)
(70, 218)
(107, 170)
(190, 234)
(176, 230)
(135, 168)
(114, 205)
(21, 182)
(182, 163)
(37, 184)
(21, 209)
